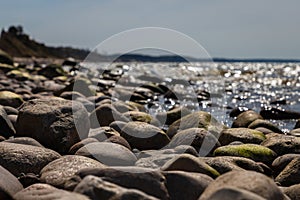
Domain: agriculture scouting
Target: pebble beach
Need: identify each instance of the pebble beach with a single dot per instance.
(73, 130)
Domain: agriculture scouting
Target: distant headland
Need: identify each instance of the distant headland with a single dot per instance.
(16, 43)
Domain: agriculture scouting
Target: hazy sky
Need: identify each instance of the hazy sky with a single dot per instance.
(225, 28)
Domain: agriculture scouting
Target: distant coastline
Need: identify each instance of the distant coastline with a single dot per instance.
(19, 44)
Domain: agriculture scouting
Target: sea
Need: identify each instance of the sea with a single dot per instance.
(215, 87)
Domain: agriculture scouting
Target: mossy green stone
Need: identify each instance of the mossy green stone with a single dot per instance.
(6, 68)
(20, 75)
(141, 117)
(255, 152)
(244, 135)
(214, 172)
(8, 98)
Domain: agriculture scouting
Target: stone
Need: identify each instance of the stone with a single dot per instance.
(297, 125)
(7, 129)
(24, 140)
(6, 67)
(189, 163)
(149, 181)
(246, 118)
(104, 115)
(9, 184)
(144, 136)
(59, 171)
(80, 85)
(70, 62)
(118, 140)
(90, 106)
(238, 110)
(80, 144)
(110, 154)
(123, 107)
(96, 188)
(117, 125)
(51, 71)
(13, 120)
(71, 95)
(279, 101)
(254, 182)
(47, 86)
(198, 119)
(19, 75)
(102, 133)
(265, 124)
(154, 88)
(5, 58)
(42, 191)
(29, 179)
(282, 161)
(202, 140)
(295, 132)
(55, 123)
(279, 114)
(8, 98)
(254, 152)
(141, 117)
(177, 150)
(20, 158)
(225, 164)
(290, 175)
(139, 106)
(186, 185)
(282, 144)
(10, 110)
(155, 161)
(230, 193)
(244, 135)
(99, 98)
(265, 131)
(293, 192)
(172, 115)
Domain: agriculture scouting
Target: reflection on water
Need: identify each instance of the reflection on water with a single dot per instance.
(212, 87)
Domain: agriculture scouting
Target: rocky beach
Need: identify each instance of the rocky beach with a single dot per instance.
(91, 134)
(132, 130)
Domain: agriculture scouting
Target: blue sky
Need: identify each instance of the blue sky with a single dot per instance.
(225, 28)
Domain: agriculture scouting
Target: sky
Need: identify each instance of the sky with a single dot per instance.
(225, 28)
